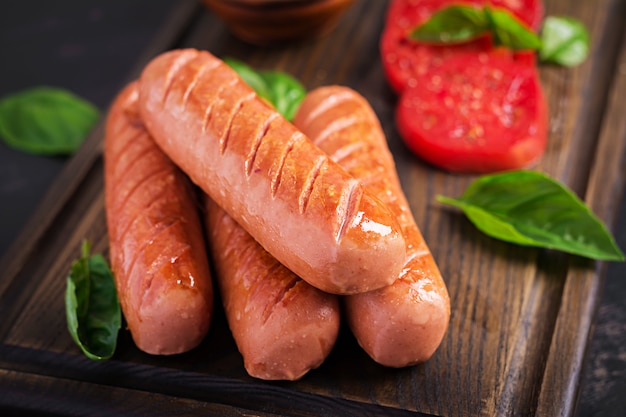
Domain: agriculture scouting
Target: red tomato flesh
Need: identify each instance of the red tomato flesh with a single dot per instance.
(404, 60)
(481, 112)
(528, 11)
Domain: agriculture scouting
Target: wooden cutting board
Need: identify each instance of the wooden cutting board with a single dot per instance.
(520, 320)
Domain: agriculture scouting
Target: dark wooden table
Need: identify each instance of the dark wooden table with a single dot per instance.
(532, 332)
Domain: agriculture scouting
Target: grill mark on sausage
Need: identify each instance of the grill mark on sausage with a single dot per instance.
(409, 271)
(138, 184)
(162, 260)
(207, 66)
(133, 135)
(132, 116)
(413, 255)
(307, 189)
(326, 105)
(208, 112)
(348, 150)
(256, 285)
(250, 158)
(174, 69)
(157, 198)
(139, 251)
(334, 127)
(128, 267)
(122, 170)
(280, 296)
(223, 143)
(295, 137)
(347, 208)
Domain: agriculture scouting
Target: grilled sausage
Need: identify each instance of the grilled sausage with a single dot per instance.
(403, 323)
(157, 249)
(298, 204)
(283, 326)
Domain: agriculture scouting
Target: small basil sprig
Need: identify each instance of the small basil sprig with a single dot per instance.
(563, 41)
(508, 30)
(45, 120)
(92, 307)
(283, 91)
(459, 24)
(531, 209)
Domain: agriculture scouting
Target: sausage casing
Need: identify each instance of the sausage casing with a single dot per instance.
(157, 249)
(403, 323)
(283, 327)
(297, 203)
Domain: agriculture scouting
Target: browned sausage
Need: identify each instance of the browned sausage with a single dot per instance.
(404, 323)
(283, 326)
(299, 205)
(157, 249)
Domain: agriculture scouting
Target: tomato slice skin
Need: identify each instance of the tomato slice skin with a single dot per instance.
(405, 60)
(528, 11)
(481, 112)
(418, 11)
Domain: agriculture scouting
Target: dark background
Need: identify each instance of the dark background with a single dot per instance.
(90, 48)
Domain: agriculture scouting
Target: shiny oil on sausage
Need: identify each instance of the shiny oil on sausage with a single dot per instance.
(295, 201)
(403, 323)
(283, 327)
(157, 249)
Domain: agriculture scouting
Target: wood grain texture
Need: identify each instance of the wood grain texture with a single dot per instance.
(604, 192)
(521, 317)
(38, 395)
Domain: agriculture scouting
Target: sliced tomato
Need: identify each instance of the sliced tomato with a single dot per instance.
(528, 11)
(481, 112)
(404, 60)
(418, 11)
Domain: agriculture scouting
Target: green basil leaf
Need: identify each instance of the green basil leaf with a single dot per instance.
(529, 208)
(565, 41)
(253, 78)
(92, 307)
(453, 24)
(45, 120)
(286, 93)
(281, 90)
(509, 31)
(458, 24)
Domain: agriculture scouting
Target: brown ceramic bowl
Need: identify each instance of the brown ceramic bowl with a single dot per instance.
(266, 22)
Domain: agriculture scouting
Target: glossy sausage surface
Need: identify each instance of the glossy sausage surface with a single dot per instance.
(403, 323)
(157, 249)
(283, 326)
(297, 203)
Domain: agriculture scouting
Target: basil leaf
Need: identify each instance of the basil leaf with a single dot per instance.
(529, 208)
(509, 31)
(453, 24)
(45, 120)
(250, 76)
(286, 93)
(92, 307)
(458, 24)
(565, 41)
(281, 90)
